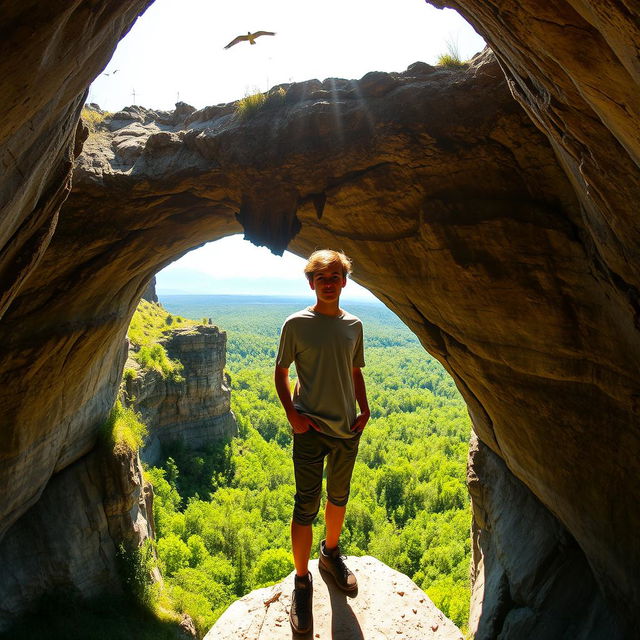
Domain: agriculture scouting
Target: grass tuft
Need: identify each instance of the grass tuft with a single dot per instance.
(156, 358)
(451, 59)
(123, 430)
(252, 104)
(92, 118)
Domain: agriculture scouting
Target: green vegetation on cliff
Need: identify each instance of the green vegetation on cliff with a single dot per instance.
(93, 118)
(253, 103)
(222, 515)
(149, 324)
(123, 430)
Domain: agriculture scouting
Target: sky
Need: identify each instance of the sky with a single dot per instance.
(175, 52)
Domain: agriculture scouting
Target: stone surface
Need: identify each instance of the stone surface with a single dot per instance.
(67, 542)
(510, 249)
(387, 605)
(150, 294)
(529, 577)
(195, 410)
(49, 54)
(468, 228)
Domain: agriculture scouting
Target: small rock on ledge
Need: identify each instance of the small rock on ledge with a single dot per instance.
(387, 605)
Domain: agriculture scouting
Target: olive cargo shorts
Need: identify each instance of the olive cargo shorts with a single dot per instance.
(309, 451)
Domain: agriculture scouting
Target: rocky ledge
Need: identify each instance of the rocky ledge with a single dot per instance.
(194, 408)
(387, 605)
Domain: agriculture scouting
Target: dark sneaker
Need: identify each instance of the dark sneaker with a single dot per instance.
(332, 562)
(301, 614)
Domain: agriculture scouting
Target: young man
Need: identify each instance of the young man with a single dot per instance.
(325, 342)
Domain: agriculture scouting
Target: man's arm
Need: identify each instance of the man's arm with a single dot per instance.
(298, 421)
(361, 397)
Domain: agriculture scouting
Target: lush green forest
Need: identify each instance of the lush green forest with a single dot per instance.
(222, 515)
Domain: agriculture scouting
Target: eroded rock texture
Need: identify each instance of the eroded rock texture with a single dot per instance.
(194, 409)
(49, 53)
(509, 248)
(529, 578)
(68, 541)
(387, 605)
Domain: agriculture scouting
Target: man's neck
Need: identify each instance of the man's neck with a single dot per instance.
(327, 308)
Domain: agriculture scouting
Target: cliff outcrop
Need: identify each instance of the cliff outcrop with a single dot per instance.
(506, 238)
(67, 544)
(387, 605)
(194, 407)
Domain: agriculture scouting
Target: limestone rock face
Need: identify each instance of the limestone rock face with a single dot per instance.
(529, 577)
(68, 541)
(150, 292)
(387, 605)
(49, 54)
(196, 409)
(507, 239)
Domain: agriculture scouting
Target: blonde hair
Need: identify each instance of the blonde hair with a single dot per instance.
(323, 258)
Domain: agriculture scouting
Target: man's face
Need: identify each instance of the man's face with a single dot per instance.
(328, 283)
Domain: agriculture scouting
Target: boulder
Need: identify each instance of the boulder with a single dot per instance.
(387, 605)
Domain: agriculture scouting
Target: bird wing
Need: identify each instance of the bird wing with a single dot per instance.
(236, 40)
(263, 33)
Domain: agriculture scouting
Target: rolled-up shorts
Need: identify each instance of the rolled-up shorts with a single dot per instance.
(309, 452)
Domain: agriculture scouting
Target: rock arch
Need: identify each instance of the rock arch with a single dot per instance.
(510, 249)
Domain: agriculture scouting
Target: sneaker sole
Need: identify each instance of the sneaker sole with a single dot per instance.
(300, 632)
(343, 589)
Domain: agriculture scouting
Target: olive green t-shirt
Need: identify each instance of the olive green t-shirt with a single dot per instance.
(325, 350)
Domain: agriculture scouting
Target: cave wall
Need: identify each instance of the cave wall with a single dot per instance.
(49, 54)
(67, 544)
(529, 577)
(510, 249)
(574, 67)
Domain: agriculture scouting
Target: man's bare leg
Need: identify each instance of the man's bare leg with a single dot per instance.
(330, 559)
(333, 519)
(301, 541)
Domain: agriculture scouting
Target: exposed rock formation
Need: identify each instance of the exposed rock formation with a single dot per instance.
(514, 261)
(387, 605)
(196, 409)
(49, 54)
(68, 541)
(530, 580)
(149, 293)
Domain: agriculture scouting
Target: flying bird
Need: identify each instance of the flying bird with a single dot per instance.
(251, 37)
(112, 73)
